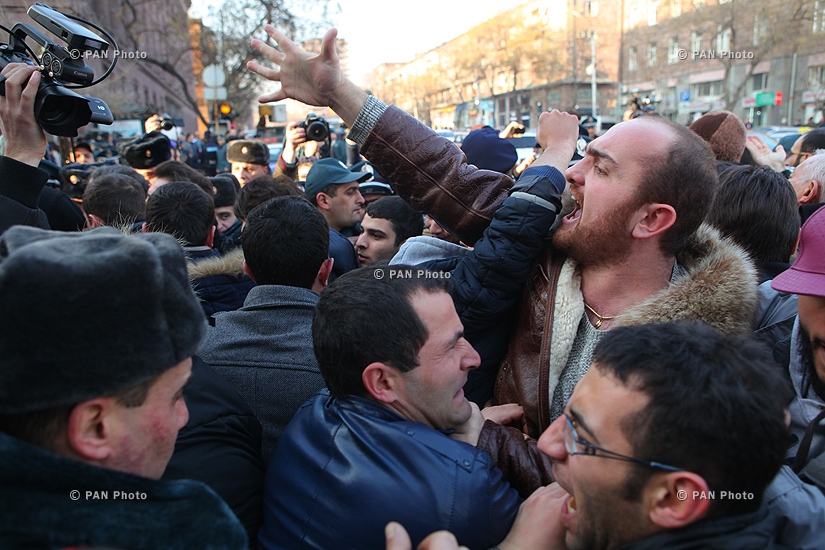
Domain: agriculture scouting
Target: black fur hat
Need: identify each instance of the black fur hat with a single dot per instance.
(145, 151)
(226, 189)
(84, 315)
(248, 151)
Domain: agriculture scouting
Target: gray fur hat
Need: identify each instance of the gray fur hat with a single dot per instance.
(248, 151)
(85, 315)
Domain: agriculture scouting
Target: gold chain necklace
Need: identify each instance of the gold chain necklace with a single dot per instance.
(600, 318)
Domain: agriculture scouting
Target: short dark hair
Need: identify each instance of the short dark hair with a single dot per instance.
(181, 209)
(128, 171)
(757, 209)
(261, 189)
(285, 241)
(362, 318)
(812, 141)
(331, 190)
(117, 199)
(405, 221)
(686, 178)
(42, 428)
(174, 170)
(716, 408)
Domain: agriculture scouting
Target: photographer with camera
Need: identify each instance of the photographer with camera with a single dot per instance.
(21, 182)
(308, 139)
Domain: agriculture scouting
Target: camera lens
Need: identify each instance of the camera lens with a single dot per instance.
(55, 111)
(317, 131)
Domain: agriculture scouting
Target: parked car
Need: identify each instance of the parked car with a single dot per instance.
(524, 145)
(274, 152)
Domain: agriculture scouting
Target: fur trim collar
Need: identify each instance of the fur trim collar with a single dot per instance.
(229, 264)
(719, 288)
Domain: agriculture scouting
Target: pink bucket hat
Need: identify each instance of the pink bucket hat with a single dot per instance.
(807, 274)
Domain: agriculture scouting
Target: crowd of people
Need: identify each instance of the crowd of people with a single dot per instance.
(390, 341)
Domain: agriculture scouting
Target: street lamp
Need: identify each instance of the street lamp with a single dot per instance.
(591, 69)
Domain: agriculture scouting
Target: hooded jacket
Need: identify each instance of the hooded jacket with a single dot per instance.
(219, 281)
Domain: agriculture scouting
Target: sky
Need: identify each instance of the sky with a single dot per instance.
(391, 31)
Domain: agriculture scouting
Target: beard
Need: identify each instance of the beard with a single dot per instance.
(605, 242)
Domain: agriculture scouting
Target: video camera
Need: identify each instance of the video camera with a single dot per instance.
(58, 109)
(316, 127)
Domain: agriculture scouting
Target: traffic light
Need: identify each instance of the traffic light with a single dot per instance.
(227, 112)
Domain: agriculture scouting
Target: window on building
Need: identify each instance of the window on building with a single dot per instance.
(696, 41)
(706, 89)
(760, 28)
(816, 77)
(635, 13)
(651, 54)
(723, 39)
(758, 82)
(632, 59)
(590, 8)
(673, 50)
(675, 8)
(652, 8)
(819, 17)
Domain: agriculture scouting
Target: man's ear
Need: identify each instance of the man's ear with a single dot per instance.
(323, 200)
(811, 193)
(210, 239)
(248, 271)
(379, 379)
(653, 219)
(144, 228)
(95, 221)
(677, 499)
(322, 279)
(88, 430)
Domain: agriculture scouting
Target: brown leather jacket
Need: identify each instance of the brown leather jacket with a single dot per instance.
(432, 174)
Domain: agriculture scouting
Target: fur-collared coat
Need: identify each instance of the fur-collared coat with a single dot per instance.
(219, 281)
(718, 288)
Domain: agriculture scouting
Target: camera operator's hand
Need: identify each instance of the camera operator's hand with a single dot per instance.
(152, 124)
(511, 130)
(25, 139)
(557, 134)
(295, 136)
(309, 78)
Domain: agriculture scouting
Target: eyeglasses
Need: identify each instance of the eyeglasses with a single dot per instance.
(575, 445)
(790, 154)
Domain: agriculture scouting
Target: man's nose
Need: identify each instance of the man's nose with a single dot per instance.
(551, 441)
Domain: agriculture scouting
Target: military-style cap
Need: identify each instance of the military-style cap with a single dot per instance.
(145, 151)
(248, 151)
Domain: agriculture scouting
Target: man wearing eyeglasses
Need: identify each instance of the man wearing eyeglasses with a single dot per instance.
(668, 441)
(805, 146)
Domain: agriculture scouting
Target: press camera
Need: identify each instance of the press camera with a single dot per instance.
(59, 110)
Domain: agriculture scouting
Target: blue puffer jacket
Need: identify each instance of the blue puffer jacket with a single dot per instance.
(344, 468)
(219, 281)
(488, 281)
